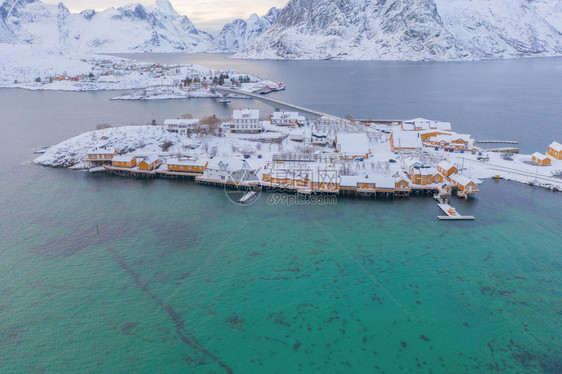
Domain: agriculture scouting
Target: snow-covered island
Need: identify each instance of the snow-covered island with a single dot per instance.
(49, 69)
(285, 151)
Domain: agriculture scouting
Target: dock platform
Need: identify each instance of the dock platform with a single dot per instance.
(451, 213)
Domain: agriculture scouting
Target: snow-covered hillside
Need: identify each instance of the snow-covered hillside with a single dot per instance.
(235, 35)
(412, 30)
(48, 69)
(132, 28)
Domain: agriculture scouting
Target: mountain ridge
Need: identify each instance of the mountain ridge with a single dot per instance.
(411, 30)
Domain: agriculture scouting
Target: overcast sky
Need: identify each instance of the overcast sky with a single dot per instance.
(207, 15)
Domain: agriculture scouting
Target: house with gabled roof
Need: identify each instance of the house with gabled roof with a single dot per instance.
(555, 150)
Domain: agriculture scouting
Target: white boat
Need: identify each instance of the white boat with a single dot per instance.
(248, 196)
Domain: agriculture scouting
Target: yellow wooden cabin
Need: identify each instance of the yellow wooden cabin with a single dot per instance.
(464, 184)
(402, 184)
(424, 175)
(324, 186)
(541, 159)
(186, 165)
(555, 150)
(149, 163)
(446, 169)
(101, 155)
(124, 161)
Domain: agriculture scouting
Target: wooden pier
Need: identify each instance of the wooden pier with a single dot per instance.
(498, 141)
(502, 149)
(451, 213)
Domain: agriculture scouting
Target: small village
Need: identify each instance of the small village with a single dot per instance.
(143, 80)
(287, 152)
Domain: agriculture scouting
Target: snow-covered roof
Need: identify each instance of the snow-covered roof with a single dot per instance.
(326, 176)
(151, 159)
(382, 181)
(188, 122)
(425, 170)
(461, 179)
(445, 165)
(408, 126)
(414, 162)
(285, 116)
(406, 139)
(425, 124)
(230, 164)
(246, 114)
(538, 155)
(348, 181)
(456, 136)
(439, 138)
(123, 158)
(556, 146)
(353, 144)
(443, 126)
(101, 152)
(185, 161)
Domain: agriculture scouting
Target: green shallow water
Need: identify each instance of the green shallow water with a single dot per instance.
(167, 276)
(113, 275)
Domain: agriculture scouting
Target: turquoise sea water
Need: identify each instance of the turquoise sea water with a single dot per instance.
(106, 274)
(179, 278)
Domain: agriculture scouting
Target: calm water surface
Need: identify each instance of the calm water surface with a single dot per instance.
(105, 274)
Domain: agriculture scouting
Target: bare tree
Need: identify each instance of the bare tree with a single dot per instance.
(187, 116)
(166, 145)
(213, 151)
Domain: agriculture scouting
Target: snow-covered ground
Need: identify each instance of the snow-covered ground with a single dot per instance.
(142, 141)
(47, 69)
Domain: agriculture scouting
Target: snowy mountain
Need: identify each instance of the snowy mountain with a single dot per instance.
(132, 28)
(235, 35)
(411, 30)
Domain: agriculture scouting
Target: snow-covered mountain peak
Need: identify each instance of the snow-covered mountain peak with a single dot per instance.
(236, 34)
(165, 7)
(131, 28)
(411, 30)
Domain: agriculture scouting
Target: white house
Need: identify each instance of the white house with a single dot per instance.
(233, 170)
(287, 118)
(318, 138)
(246, 121)
(296, 135)
(353, 145)
(405, 140)
(180, 126)
(419, 124)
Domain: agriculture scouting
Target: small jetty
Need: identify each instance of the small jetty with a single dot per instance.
(502, 150)
(498, 141)
(451, 213)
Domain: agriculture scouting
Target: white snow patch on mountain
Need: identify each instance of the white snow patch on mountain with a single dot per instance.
(235, 35)
(411, 30)
(131, 28)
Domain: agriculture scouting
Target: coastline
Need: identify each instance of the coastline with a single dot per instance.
(262, 150)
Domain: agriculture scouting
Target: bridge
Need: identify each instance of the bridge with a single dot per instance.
(276, 104)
